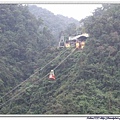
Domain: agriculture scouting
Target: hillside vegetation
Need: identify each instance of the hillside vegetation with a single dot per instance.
(21, 42)
(87, 82)
(54, 23)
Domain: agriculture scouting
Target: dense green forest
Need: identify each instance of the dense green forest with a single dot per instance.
(87, 82)
(21, 43)
(55, 23)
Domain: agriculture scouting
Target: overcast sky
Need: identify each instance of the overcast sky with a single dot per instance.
(77, 11)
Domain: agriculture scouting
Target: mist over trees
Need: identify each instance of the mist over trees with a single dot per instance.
(54, 23)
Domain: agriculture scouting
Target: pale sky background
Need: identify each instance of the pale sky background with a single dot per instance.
(77, 11)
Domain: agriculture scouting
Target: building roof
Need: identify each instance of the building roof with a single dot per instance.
(78, 36)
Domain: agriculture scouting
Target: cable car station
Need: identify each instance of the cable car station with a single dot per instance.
(73, 41)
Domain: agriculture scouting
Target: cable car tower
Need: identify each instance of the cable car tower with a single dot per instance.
(62, 41)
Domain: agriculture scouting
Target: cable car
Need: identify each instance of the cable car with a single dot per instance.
(67, 45)
(77, 45)
(82, 45)
(52, 75)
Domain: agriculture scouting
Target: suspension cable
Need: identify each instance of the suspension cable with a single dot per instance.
(37, 70)
(64, 59)
(36, 81)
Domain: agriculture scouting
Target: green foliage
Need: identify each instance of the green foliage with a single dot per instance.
(88, 82)
(21, 43)
(54, 23)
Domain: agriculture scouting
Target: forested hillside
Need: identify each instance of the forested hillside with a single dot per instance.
(55, 23)
(21, 42)
(87, 82)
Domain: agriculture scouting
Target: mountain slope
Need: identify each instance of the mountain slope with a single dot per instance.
(88, 82)
(55, 23)
(80, 88)
(20, 44)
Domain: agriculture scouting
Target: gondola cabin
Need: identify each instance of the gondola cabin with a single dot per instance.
(77, 44)
(52, 75)
(67, 45)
